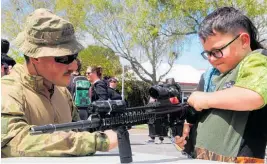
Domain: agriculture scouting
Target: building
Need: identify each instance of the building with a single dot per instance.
(187, 89)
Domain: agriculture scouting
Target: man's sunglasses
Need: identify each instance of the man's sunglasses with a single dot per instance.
(66, 59)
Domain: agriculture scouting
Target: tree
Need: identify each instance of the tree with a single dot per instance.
(13, 17)
(100, 56)
(151, 30)
(138, 31)
(193, 12)
(131, 30)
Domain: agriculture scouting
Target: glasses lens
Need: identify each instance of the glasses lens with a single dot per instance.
(205, 55)
(66, 59)
(217, 53)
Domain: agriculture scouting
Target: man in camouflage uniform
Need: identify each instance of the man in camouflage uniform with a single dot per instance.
(36, 94)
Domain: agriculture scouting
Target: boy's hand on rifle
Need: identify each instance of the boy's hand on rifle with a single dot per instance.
(113, 140)
(181, 141)
(199, 100)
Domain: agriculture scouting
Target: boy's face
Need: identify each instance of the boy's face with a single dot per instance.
(230, 56)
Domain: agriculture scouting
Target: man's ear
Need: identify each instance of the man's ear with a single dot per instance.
(245, 39)
(34, 60)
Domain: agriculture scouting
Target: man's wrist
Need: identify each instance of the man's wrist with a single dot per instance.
(102, 142)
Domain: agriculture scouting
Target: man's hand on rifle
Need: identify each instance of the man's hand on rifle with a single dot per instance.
(181, 141)
(113, 140)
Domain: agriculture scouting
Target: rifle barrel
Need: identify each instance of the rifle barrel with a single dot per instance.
(50, 128)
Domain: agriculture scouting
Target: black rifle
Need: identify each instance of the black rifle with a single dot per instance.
(114, 115)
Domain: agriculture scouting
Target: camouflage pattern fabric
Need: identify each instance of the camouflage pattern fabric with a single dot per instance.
(252, 74)
(24, 104)
(24, 97)
(208, 155)
(47, 34)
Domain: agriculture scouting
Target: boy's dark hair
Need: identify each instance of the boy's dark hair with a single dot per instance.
(229, 20)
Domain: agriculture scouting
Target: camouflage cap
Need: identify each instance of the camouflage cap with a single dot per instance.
(47, 34)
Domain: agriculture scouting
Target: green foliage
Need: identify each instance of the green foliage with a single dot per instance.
(74, 11)
(100, 56)
(142, 30)
(16, 56)
(136, 92)
(14, 13)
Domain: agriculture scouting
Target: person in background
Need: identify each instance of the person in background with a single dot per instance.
(99, 89)
(7, 62)
(79, 89)
(113, 93)
(71, 86)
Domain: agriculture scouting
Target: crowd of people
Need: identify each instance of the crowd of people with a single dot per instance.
(99, 88)
(231, 98)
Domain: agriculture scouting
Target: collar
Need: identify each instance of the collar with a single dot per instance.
(96, 81)
(32, 82)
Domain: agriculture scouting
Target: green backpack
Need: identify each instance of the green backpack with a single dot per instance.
(81, 94)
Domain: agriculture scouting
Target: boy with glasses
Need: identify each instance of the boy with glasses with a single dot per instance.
(232, 124)
(36, 93)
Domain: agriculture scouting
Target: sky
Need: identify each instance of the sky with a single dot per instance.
(191, 54)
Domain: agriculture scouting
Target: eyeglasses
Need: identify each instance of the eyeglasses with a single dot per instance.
(217, 53)
(113, 81)
(66, 59)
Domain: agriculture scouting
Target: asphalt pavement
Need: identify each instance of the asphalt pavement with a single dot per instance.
(142, 152)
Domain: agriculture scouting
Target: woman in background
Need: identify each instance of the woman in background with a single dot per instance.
(98, 90)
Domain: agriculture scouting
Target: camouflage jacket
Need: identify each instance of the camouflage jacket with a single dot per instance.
(25, 104)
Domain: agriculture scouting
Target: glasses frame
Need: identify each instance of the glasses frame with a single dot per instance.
(217, 53)
(71, 58)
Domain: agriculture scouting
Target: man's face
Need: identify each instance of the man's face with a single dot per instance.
(231, 55)
(113, 84)
(55, 72)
